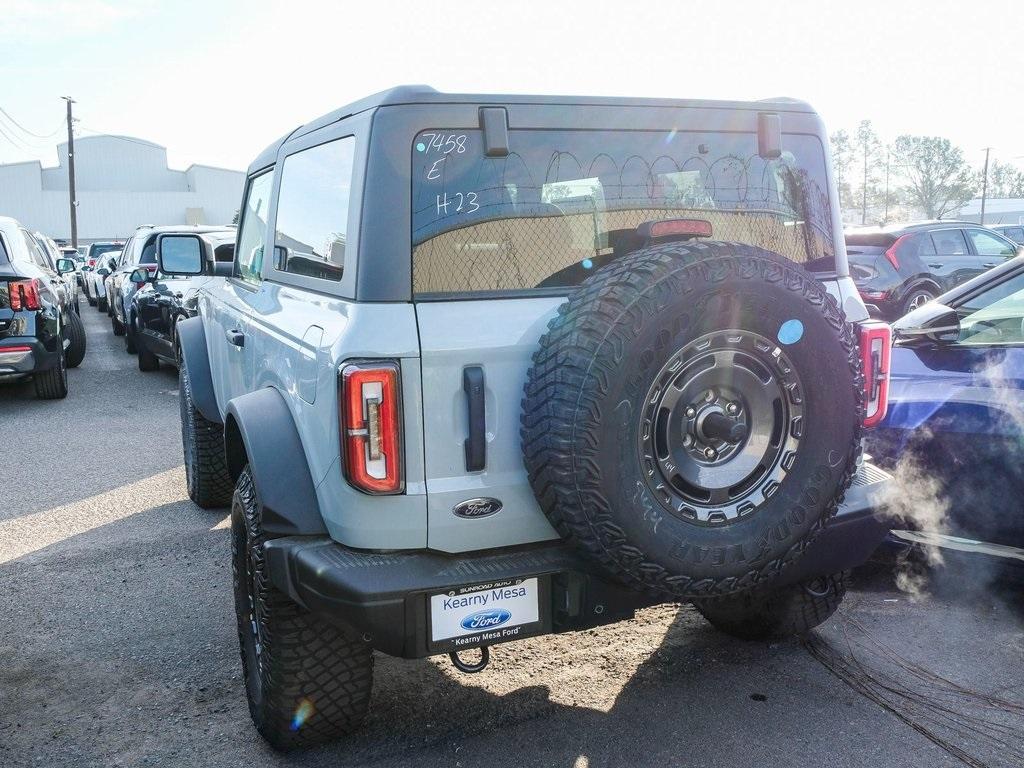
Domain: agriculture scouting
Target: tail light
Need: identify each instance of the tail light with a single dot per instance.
(25, 295)
(892, 250)
(875, 352)
(370, 414)
(92, 262)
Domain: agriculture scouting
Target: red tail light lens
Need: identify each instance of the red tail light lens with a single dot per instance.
(25, 295)
(875, 354)
(892, 251)
(371, 423)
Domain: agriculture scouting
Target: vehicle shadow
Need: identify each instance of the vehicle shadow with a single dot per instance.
(119, 646)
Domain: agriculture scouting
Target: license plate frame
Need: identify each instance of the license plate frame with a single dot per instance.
(444, 629)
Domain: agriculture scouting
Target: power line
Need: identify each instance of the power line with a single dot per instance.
(26, 130)
(115, 136)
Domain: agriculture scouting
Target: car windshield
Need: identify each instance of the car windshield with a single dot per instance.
(994, 316)
(562, 200)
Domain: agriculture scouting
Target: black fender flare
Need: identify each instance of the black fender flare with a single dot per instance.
(194, 355)
(259, 430)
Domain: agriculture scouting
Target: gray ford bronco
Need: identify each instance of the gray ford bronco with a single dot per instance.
(491, 367)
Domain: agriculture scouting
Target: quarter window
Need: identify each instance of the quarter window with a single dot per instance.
(312, 210)
(252, 237)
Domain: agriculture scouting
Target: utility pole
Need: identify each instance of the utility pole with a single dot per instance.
(984, 187)
(864, 190)
(888, 154)
(71, 175)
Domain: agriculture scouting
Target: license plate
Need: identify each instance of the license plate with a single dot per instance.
(485, 614)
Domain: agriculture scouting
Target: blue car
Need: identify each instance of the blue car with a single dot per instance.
(954, 432)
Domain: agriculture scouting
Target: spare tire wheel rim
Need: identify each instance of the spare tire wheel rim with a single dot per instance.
(721, 427)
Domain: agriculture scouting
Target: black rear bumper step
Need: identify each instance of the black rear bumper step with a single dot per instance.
(385, 595)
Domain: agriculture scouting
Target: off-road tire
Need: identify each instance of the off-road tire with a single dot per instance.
(91, 300)
(206, 469)
(591, 376)
(76, 333)
(307, 681)
(53, 383)
(116, 326)
(101, 304)
(792, 611)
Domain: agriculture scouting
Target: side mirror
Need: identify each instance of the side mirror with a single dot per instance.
(140, 276)
(180, 254)
(103, 271)
(65, 265)
(935, 323)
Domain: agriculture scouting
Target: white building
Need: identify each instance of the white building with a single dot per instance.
(998, 210)
(121, 182)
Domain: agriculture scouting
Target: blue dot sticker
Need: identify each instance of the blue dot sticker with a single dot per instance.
(587, 263)
(421, 147)
(790, 332)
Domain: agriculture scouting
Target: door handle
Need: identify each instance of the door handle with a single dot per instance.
(990, 264)
(936, 266)
(235, 337)
(476, 443)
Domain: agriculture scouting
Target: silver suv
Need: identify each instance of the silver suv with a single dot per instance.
(489, 367)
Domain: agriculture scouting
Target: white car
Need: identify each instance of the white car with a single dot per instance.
(95, 293)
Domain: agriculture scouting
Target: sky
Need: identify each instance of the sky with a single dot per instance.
(215, 81)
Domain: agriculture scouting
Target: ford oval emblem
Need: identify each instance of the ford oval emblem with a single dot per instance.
(486, 619)
(474, 508)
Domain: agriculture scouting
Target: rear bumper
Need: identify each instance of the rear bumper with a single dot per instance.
(386, 595)
(25, 355)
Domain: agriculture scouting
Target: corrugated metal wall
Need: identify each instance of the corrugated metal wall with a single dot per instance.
(121, 183)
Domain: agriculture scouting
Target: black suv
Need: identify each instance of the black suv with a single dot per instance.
(40, 333)
(900, 268)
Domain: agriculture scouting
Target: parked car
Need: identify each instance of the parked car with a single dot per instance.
(95, 289)
(956, 412)
(96, 250)
(40, 333)
(468, 384)
(53, 255)
(139, 252)
(67, 252)
(164, 300)
(900, 268)
(1013, 232)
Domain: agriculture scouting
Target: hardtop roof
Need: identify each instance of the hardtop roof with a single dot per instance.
(424, 94)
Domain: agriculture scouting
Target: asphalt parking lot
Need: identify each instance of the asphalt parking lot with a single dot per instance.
(117, 644)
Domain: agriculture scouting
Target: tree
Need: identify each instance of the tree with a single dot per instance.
(1005, 180)
(939, 181)
(842, 157)
(868, 146)
(234, 219)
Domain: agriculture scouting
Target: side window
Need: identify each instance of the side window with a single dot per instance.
(949, 242)
(995, 316)
(312, 210)
(34, 252)
(149, 252)
(987, 244)
(252, 235)
(1016, 234)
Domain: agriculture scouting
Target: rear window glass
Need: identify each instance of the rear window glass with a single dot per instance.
(564, 202)
(97, 249)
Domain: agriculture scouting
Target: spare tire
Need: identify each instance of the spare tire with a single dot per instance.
(692, 417)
